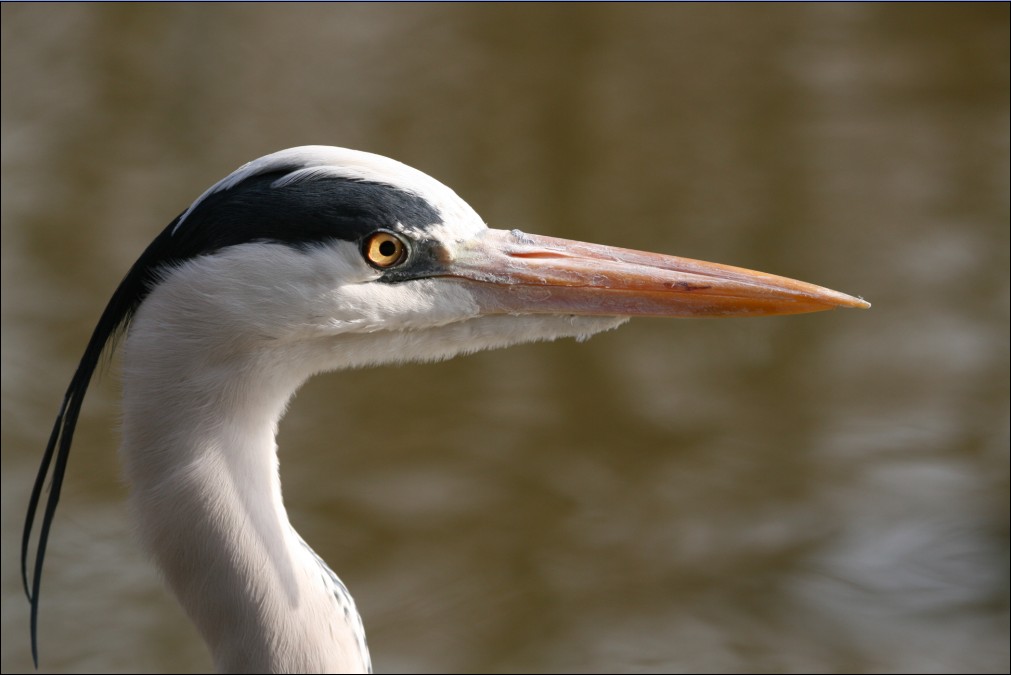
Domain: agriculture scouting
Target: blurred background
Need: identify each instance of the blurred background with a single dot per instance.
(821, 493)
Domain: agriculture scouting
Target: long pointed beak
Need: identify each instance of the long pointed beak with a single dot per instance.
(518, 273)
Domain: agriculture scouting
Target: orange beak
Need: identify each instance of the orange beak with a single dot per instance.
(518, 273)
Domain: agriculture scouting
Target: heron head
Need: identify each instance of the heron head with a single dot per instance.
(366, 260)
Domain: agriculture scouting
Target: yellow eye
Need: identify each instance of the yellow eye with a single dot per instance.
(384, 249)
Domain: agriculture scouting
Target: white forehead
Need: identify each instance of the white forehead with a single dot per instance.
(316, 161)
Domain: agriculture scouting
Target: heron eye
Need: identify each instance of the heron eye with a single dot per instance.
(384, 249)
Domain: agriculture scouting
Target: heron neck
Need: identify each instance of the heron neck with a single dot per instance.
(200, 455)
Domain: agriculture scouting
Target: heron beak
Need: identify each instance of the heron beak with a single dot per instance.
(517, 273)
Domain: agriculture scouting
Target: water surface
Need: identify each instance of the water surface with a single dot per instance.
(813, 493)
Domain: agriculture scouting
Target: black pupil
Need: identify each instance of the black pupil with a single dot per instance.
(388, 248)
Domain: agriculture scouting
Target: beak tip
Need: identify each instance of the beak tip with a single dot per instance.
(855, 302)
(833, 299)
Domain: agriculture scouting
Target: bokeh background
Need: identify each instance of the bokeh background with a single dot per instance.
(822, 493)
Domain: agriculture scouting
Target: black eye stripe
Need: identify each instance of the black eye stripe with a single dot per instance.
(303, 213)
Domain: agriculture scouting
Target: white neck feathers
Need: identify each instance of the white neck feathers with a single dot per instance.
(199, 425)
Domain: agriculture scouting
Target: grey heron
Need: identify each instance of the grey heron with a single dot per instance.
(307, 260)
